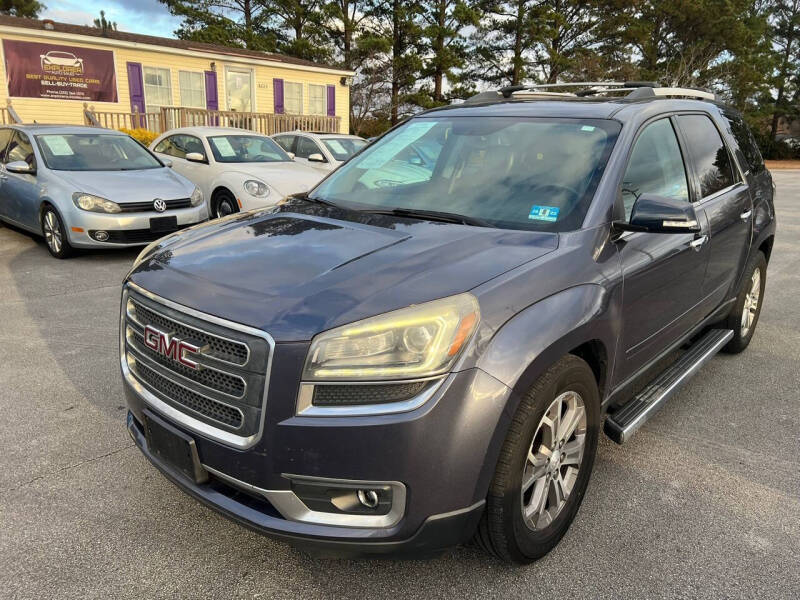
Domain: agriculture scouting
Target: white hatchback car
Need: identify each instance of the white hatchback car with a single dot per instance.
(236, 169)
(323, 151)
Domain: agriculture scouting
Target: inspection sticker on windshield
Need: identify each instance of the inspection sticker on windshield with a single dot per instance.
(58, 145)
(544, 213)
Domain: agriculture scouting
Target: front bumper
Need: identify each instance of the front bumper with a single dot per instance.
(125, 222)
(443, 453)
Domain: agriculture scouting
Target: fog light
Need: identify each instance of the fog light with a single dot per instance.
(368, 498)
(101, 236)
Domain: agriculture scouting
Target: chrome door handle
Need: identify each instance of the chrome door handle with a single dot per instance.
(745, 215)
(697, 244)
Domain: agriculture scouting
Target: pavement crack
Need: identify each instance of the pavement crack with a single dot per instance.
(66, 468)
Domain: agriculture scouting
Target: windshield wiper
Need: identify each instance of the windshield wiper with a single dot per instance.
(305, 196)
(430, 215)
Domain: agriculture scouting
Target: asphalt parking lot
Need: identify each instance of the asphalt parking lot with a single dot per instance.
(703, 503)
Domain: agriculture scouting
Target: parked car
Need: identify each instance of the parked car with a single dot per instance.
(85, 187)
(322, 151)
(236, 169)
(372, 369)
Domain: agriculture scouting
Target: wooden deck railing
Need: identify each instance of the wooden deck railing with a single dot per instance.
(8, 115)
(170, 117)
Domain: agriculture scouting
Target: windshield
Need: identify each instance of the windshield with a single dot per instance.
(343, 148)
(246, 149)
(509, 172)
(94, 152)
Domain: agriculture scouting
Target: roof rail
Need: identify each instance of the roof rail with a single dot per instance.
(671, 91)
(635, 90)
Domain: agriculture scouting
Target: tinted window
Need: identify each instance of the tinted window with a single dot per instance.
(306, 147)
(747, 143)
(655, 167)
(5, 136)
(180, 145)
(710, 157)
(510, 172)
(94, 152)
(286, 142)
(20, 149)
(245, 149)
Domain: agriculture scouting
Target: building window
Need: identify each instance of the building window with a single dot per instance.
(193, 89)
(293, 98)
(157, 88)
(316, 99)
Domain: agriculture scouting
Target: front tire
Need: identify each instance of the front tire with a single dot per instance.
(224, 204)
(55, 235)
(744, 315)
(544, 465)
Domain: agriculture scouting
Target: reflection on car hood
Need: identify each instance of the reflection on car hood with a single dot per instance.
(286, 177)
(130, 186)
(299, 269)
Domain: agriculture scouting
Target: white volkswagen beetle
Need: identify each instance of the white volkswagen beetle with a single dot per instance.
(236, 169)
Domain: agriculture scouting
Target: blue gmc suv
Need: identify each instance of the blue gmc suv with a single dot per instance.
(423, 349)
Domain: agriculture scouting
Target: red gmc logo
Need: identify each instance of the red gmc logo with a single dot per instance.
(171, 347)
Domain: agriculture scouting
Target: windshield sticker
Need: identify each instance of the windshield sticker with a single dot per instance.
(386, 151)
(544, 213)
(336, 146)
(58, 145)
(587, 128)
(223, 146)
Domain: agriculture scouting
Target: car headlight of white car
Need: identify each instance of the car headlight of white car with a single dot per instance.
(197, 197)
(94, 203)
(256, 188)
(419, 341)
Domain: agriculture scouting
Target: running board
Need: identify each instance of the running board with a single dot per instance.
(622, 424)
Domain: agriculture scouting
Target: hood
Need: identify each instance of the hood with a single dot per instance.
(131, 186)
(294, 272)
(286, 177)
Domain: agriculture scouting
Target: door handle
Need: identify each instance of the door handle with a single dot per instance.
(697, 243)
(745, 215)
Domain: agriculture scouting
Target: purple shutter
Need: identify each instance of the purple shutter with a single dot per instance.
(331, 100)
(278, 93)
(212, 100)
(136, 89)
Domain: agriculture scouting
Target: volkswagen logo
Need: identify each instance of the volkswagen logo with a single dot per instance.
(159, 205)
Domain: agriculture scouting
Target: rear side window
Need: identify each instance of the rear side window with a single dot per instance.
(747, 143)
(656, 167)
(710, 157)
(286, 142)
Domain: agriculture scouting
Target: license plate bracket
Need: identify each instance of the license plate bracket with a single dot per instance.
(173, 447)
(163, 224)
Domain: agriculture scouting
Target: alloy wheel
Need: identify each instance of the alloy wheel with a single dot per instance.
(52, 232)
(553, 461)
(751, 301)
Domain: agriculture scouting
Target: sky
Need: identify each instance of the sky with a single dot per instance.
(150, 17)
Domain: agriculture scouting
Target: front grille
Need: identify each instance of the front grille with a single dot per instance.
(135, 236)
(147, 205)
(207, 407)
(222, 349)
(226, 391)
(344, 395)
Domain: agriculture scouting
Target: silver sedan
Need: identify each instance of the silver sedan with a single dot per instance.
(84, 187)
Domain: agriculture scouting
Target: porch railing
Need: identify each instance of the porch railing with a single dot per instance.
(170, 117)
(8, 115)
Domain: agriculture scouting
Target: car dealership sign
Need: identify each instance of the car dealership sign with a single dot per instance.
(35, 70)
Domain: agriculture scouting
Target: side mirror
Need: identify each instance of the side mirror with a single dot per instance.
(20, 166)
(195, 157)
(316, 157)
(167, 162)
(657, 214)
(291, 155)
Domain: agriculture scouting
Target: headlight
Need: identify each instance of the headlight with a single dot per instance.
(256, 188)
(414, 342)
(197, 197)
(94, 203)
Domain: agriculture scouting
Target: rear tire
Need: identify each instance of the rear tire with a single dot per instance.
(55, 234)
(223, 204)
(533, 499)
(745, 312)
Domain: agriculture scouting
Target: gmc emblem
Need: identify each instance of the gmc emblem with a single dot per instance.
(171, 347)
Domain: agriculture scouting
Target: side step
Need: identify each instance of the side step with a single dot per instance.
(622, 424)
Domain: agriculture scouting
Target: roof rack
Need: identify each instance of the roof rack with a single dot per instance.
(634, 90)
